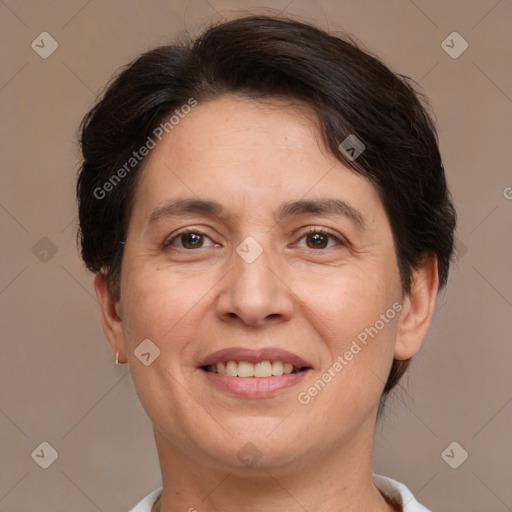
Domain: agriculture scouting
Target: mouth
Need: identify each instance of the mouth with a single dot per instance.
(261, 369)
(254, 373)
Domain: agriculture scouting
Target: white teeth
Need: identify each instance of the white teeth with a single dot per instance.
(221, 368)
(263, 369)
(277, 368)
(246, 369)
(231, 369)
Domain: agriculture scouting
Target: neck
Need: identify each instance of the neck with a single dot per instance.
(339, 480)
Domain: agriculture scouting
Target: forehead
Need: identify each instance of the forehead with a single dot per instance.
(248, 155)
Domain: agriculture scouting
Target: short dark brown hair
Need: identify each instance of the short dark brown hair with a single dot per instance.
(351, 91)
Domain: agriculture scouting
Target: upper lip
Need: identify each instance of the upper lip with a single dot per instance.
(254, 356)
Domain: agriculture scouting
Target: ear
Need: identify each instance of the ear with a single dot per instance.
(418, 308)
(110, 316)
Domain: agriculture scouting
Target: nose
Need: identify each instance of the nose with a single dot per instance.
(254, 293)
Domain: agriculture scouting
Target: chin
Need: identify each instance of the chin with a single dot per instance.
(258, 444)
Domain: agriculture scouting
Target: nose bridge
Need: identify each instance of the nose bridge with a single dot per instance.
(252, 266)
(252, 291)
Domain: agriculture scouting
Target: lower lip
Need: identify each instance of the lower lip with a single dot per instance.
(254, 387)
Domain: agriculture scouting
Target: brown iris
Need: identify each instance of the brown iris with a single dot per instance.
(191, 240)
(318, 241)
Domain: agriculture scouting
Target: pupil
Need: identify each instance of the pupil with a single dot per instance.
(318, 240)
(191, 240)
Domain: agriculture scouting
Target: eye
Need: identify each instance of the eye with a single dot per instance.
(319, 238)
(189, 239)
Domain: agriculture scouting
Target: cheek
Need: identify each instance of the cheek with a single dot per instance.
(347, 301)
(160, 306)
(156, 303)
(356, 323)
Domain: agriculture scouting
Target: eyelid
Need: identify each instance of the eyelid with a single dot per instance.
(173, 236)
(312, 229)
(325, 231)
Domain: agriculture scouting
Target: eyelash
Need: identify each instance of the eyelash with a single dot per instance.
(168, 241)
(323, 231)
(312, 230)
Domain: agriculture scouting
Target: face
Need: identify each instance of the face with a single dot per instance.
(249, 243)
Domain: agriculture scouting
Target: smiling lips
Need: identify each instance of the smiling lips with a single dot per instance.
(246, 362)
(263, 371)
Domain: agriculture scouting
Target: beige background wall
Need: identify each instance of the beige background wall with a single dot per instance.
(58, 381)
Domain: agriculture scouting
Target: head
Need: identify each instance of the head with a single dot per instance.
(244, 133)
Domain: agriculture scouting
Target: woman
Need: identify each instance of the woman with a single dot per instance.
(266, 212)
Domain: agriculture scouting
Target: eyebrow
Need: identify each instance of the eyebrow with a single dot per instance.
(322, 206)
(186, 206)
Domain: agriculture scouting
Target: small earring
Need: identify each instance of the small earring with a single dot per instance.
(117, 358)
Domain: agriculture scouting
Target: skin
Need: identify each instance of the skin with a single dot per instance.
(252, 156)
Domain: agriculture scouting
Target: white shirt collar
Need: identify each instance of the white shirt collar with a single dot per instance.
(396, 491)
